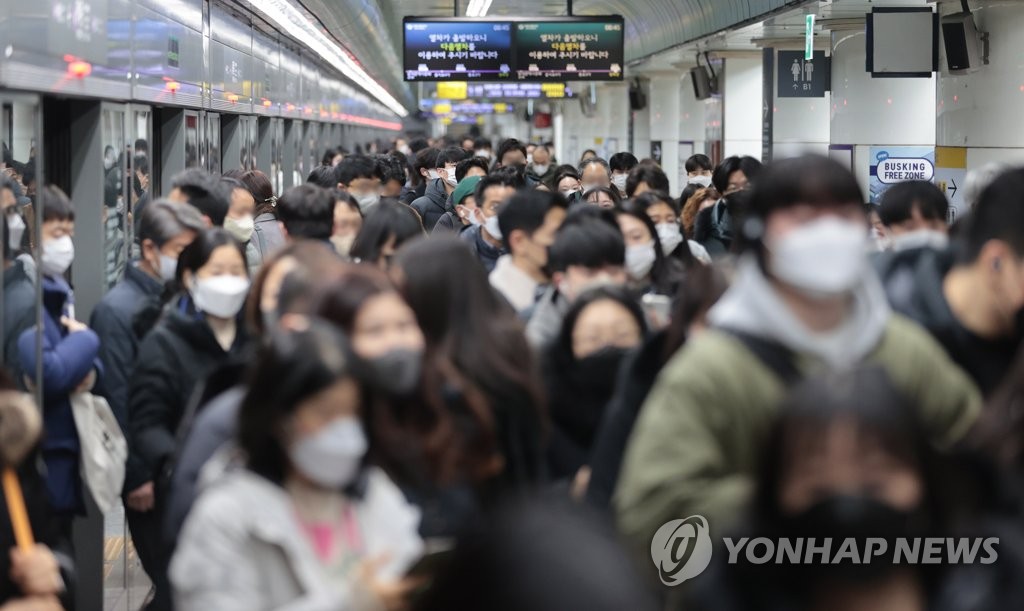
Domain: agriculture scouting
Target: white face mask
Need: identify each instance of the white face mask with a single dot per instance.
(433, 175)
(15, 229)
(472, 217)
(571, 293)
(824, 258)
(331, 457)
(220, 296)
(240, 229)
(541, 169)
(619, 180)
(168, 267)
(368, 201)
(486, 154)
(405, 150)
(529, 159)
(492, 228)
(670, 235)
(588, 188)
(343, 243)
(568, 193)
(703, 181)
(639, 260)
(922, 238)
(57, 255)
(450, 178)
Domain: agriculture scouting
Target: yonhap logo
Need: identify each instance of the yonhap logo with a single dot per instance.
(681, 549)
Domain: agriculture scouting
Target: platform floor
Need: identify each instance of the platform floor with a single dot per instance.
(125, 585)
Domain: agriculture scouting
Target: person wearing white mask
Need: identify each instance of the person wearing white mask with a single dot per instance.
(201, 329)
(70, 362)
(915, 215)
(621, 164)
(361, 178)
(803, 300)
(540, 168)
(664, 213)
(650, 271)
(304, 522)
(482, 148)
(434, 203)
(698, 170)
(240, 221)
(491, 193)
(165, 229)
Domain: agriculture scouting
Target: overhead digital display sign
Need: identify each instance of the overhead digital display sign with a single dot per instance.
(516, 90)
(583, 48)
(464, 50)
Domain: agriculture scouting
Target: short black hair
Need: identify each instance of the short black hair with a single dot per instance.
(470, 162)
(502, 177)
(204, 192)
(649, 198)
(698, 162)
(654, 176)
(198, 253)
(356, 166)
(390, 218)
(56, 205)
(623, 162)
(329, 156)
(389, 167)
(588, 243)
(452, 154)
(509, 145)
(899, 201)
(418, 145)
(999, 215)
(750, 167)
(481, 143)
(307, 211)
(526, 211)
(814, 180)
(425, 159)
(323, 176)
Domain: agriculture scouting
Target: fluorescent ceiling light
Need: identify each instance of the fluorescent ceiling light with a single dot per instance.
(478, 8)
(293, 22)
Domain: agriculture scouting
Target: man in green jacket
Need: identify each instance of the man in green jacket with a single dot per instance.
(803, 300)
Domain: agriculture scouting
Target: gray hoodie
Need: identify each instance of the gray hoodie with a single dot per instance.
(753, 306)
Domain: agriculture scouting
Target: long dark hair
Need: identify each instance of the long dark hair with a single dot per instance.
(389, 218)
(642, 202)
(701, 287)
(475, 342)
(666, 273)
(291, 368)
(262, 191)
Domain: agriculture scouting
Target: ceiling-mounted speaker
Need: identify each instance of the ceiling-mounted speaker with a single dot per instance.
(637, 97)
(964, 45)
(702, 84)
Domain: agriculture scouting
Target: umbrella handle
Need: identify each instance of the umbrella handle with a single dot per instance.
(16, 509)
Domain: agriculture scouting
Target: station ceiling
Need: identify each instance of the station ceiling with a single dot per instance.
(371, 29)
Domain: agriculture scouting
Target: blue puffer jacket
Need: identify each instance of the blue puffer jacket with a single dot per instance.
(67, 360)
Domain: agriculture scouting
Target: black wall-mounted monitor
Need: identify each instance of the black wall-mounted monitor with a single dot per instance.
(569, 49)
(456, 49)
(902, 42)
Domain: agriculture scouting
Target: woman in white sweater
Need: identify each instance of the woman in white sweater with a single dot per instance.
(303, 523)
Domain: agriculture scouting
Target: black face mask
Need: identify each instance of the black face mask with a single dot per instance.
(397, 372)
(596, 373)
(849, 517)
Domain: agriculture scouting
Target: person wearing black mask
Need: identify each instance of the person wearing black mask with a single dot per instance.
(600, 328)
(713, 227)
(847, 459)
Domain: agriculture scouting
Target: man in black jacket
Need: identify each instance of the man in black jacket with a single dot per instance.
(434, 202)
(971, 299)
(121, 319)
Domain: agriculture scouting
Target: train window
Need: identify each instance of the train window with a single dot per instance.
(212, 142)
(192, 140)
(115, 175)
